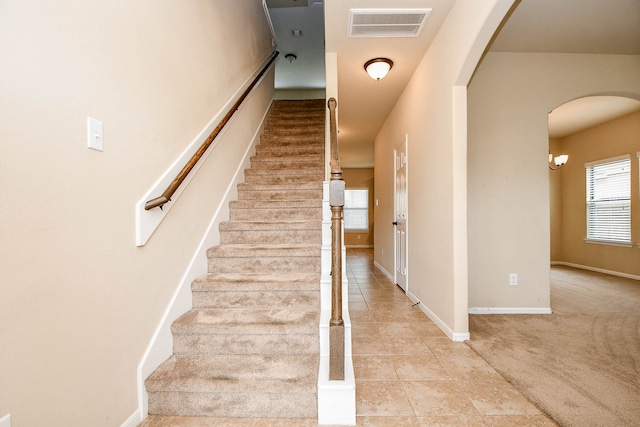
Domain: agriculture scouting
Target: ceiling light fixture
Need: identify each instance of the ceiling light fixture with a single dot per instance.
(558, 161)
(290, 57)
(377, 68)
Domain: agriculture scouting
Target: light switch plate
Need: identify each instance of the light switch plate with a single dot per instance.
(94, 134)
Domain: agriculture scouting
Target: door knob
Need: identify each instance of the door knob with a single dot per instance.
(395, 223)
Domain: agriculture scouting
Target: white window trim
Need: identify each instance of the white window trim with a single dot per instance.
(610, 159)
(602, 241)
(609, 243)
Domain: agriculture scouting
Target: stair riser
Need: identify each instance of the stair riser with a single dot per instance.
(314, 112)
(271, 140)
(285, 163)
(312, 186)
(271, 237)
(283, 138)
(289, 158)
(286, 151)
(257, 283)
(276, 404)
(301, 127)
(241, 265)
(279, 195)
(282, 179)
(315, 174)
(246, 344)
(276, 214)
(260, 299)
(284, 121)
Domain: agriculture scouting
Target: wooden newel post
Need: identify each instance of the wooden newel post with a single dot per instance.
(336, 201)
(336, 251)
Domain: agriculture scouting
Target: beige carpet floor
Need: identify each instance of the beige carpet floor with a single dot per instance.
(581, 364)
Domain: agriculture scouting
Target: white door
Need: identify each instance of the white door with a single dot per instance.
(400, 218)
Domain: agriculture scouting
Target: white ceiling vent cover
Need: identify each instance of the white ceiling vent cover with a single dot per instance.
(387, 22)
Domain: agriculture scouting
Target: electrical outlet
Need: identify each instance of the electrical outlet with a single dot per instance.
(513, 279)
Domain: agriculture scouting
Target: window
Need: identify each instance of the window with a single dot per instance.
(356, 210)
(609, 200)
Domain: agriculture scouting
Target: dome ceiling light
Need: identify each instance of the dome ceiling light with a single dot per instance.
(377, 68)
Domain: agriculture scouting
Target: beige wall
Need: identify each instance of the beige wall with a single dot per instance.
(509, 200)
(358, 179)
(432, 112)
(80, 301)
(615, 138)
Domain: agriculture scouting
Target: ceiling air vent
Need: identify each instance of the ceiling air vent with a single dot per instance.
(387, 22)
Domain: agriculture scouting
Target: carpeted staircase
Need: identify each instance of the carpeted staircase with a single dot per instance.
(249, 347)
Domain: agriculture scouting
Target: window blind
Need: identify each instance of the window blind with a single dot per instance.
(609, 200)
(356, 209)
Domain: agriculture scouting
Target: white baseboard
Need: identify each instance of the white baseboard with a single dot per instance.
(454, 336)
(5, 421)
(510, 310)
(597, 270)
(132, 421)
(386, 273)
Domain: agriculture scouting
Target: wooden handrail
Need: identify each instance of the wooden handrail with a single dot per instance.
(336, 202)
(177, 181)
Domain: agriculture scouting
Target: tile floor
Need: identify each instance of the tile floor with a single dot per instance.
(408, 372)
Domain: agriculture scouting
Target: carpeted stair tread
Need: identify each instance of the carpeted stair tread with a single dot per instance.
(294, 405)
(292, 139)
(276, 204)
(314, 174)
(284, 163)
(283, 320)
(271, 150)
(257, 282)
(241, 344)
(255, 299)
(293, 121)
(281, 178)
(281, 186)
(270, 225)
(270, 232)
(278, 194)
(235, 374)
(264, 250)
(291, 157)
(277, 213)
